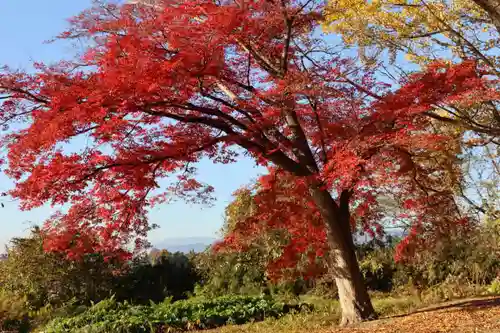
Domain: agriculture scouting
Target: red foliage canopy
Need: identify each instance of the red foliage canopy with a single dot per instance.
(162, 87)
(429, 213)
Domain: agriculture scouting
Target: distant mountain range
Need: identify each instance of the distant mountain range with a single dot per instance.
(199, 244)
(185, 245)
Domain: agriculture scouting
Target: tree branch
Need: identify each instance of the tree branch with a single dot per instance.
(286, 43)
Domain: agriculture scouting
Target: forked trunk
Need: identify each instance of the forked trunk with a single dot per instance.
(354, 300)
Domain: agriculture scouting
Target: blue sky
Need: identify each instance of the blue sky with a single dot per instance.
(24, 26)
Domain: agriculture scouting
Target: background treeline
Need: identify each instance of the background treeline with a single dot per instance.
(455, 267)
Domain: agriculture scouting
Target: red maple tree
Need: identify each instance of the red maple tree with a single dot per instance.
(161, 87)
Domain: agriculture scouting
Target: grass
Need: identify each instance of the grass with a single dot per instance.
(473, 315)
(326, 314)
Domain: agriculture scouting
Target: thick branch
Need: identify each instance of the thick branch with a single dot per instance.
(466, 123)
(492, 8)
(204, 110)
(272, 153)
(286, 44)
(300, 143)
(262, 60)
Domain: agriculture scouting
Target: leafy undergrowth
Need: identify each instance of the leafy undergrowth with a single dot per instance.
(111, 316)
(13, 313)
(480, 315)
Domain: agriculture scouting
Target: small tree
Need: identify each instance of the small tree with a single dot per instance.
(157, 276)
(242, 268)
(49, 278)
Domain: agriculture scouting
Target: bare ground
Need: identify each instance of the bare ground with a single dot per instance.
(478, 315)
(474, 315)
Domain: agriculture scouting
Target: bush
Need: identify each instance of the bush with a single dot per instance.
(232, 272)
(112, 316)
(376, 262)
(459, 260)
(13, 314)
(495, 287)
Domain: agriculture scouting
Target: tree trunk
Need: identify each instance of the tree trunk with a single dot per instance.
(355, 302)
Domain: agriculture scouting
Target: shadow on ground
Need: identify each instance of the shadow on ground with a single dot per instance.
(469, 304)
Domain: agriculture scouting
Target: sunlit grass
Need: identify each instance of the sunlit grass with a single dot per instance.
(326, 314)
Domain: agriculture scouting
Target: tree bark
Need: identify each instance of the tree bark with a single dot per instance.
(354, 300)
(492, 8)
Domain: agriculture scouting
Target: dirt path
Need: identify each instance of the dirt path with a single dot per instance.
(479, 315)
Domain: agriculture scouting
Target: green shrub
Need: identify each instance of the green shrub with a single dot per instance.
(196, 313)
(494, 288)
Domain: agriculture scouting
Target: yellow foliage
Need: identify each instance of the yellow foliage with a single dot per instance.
(418, 32)
(12, 307)
(419, 29)
(238, 210)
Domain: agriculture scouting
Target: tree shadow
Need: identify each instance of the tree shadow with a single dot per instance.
(470, 304)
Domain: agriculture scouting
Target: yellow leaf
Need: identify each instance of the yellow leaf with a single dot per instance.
(409, 57)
